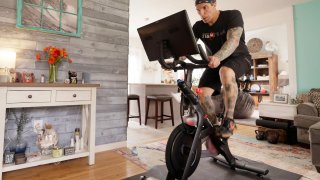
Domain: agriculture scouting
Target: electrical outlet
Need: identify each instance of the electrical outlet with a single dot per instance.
(37, 125)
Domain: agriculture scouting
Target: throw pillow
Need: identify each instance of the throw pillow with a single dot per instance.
(315, 97)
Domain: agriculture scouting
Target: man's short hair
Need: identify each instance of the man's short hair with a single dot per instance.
(204, 1)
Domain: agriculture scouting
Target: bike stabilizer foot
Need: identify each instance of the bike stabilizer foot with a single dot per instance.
(243, 165)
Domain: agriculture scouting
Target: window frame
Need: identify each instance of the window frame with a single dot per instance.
(20, 5)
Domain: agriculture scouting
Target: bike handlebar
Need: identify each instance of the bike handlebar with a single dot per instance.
(203, 63)
(203, 56)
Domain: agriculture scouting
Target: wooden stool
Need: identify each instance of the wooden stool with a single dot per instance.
(161, 99)
(133, 97)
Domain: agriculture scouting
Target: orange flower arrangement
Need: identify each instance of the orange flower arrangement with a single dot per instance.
(55, 55)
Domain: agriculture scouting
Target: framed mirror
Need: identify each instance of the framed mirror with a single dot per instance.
(53, 16)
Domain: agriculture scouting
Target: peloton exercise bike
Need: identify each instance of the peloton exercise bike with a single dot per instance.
(173, 37)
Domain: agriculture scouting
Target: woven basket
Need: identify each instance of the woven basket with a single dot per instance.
(282, 133)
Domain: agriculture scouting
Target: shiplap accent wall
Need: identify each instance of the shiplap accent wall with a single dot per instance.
(101, 53)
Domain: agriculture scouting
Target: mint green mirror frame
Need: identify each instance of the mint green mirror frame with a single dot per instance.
(21, 4)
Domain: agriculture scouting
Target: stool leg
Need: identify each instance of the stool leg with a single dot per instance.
(128, 112)
(171, 109)
(161, 112)
(181, 110)
(147, 111)
(156, 115)
(139, 110)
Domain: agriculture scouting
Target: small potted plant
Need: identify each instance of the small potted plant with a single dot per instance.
(19, 145)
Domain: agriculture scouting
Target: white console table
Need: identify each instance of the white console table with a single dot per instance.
(20, 95)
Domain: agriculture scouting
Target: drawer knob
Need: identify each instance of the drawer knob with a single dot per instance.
(74, 95)
(29, 96)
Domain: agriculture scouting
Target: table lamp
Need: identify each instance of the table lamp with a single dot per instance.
(7, 61)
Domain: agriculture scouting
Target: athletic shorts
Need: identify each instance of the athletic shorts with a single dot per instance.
(211, 78)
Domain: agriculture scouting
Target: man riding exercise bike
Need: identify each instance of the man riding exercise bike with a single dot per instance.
(222, 32)
(173, 37)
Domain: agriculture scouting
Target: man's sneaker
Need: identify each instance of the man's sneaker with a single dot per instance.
(227, 127)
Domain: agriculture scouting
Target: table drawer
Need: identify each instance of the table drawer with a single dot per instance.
(30, 96)
(67, 96)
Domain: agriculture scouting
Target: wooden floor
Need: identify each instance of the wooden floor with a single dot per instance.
(109, 165)
(245, 130)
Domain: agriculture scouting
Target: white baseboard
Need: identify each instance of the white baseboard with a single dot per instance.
(111, 146)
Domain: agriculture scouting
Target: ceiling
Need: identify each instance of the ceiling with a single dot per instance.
(144, 12)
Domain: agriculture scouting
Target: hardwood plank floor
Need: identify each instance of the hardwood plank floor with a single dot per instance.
(245, 130)
(109, 165)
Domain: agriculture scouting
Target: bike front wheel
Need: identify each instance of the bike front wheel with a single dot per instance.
(178, 149)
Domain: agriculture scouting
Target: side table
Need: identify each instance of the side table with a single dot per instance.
(277, 111)
(278, 116)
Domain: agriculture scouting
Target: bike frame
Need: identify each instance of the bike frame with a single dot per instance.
(204, 127)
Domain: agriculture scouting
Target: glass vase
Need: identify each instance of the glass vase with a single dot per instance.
(19, 145)
(53, 73)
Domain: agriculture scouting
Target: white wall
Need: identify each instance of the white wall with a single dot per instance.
(140, 69)
(276, 34)
(275, 18)
(282, 18)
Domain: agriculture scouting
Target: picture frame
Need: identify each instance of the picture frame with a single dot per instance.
(8, 157)
(28, 77)
(69, 151)
(280, 98)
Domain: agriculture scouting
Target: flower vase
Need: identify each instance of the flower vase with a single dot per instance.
(53, 73)
(19, 145)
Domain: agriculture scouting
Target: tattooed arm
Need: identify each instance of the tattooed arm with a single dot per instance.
(233, 39)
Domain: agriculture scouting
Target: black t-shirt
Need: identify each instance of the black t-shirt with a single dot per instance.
(216, 35)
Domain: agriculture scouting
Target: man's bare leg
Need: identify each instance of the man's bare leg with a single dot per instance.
(206, 102)
(230, 95)
(209, 109)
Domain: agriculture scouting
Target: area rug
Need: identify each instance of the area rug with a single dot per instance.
(208, 169)
(287, 157)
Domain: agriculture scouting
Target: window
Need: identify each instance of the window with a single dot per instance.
(54, 16)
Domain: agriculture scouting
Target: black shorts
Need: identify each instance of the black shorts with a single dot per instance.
(211, 78)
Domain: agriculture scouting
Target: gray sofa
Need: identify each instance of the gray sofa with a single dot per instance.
(307, 122)
(315, 145)
(307, 115)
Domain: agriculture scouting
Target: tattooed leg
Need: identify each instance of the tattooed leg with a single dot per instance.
(207, 104)
(230, 90)
(209, 109)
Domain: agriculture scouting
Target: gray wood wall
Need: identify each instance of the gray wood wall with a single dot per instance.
(101, 52)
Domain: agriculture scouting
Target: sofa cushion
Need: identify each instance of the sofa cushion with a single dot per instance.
(303, 135)
(304, 97)
(315, 154)
(304, 121)
(307, 108)
(316, 101)
(314, 131)
(315, 97)
(315, 90)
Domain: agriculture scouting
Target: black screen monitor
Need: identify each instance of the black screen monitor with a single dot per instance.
(174, 32)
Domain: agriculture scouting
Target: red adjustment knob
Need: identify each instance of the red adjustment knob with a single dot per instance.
(199, 91)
